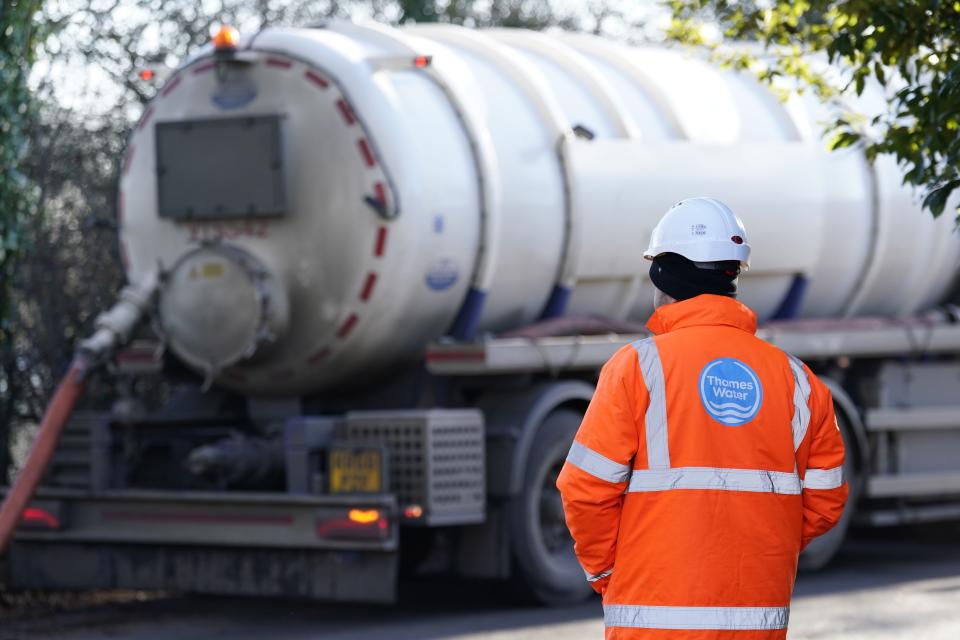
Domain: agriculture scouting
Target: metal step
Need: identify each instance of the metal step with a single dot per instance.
(70, 464)
(75, 440)
(71, 457)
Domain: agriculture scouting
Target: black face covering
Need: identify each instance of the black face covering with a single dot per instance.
(681, 279)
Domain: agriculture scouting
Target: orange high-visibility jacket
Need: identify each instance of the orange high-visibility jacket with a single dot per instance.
(707, 460)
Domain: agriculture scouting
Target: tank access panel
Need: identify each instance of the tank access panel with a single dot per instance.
(220, 168)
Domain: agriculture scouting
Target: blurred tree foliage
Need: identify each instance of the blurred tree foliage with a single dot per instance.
(120, 37)
(910, 49)
(17, 195)
(531, 14)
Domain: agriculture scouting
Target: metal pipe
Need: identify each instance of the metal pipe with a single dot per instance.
(54, 419)
(113, 330)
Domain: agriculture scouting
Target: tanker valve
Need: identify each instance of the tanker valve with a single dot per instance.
(218, 306)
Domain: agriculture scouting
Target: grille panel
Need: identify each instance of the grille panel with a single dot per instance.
(436, 459)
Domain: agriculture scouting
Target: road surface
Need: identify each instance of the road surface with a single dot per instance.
(901, 583)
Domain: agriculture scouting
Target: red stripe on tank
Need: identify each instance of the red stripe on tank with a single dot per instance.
(319, 356)
(173, 84)
(280, 63)
(346, 112)
(368, 286)
(206, 66)
(316, 79)
(127, 159)
(366, 152)
(381, 243)
(145, 118)
(347, 326)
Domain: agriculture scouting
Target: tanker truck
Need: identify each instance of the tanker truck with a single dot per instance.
(374, 273)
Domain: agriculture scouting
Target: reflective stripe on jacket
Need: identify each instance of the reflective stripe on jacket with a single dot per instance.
(707, 460)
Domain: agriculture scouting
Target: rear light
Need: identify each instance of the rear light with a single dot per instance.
(147, 75)
(422, 61)
(356, 524)
(39, 519)
(413, 512)
(363, 516)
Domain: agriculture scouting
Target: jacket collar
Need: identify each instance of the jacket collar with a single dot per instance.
(703, 310)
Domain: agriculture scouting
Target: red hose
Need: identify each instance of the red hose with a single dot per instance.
(58, 411)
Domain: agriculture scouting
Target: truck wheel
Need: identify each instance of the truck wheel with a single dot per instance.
(822, 549)
(542, 548)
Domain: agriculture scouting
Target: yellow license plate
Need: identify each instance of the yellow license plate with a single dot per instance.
(356, 471)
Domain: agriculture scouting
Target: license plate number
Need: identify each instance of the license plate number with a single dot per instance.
(356, 471)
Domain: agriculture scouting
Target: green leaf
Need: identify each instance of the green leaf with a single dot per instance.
(936, 199)
(879, 73)
(912, 46)
(843, 139)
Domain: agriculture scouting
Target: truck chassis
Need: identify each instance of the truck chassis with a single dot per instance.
(468, 463)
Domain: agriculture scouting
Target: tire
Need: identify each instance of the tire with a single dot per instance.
(545, 567)
(822, 550)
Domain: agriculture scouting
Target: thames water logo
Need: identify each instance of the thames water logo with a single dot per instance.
(730, 391)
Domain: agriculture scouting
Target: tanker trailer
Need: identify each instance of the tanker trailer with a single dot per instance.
(388, 266)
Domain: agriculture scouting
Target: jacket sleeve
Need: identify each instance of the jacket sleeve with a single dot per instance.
(595, 474)
(820, 461)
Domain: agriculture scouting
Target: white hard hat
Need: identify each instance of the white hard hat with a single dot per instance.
(701, 230)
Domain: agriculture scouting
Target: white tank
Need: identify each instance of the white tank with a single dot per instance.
(327, 201)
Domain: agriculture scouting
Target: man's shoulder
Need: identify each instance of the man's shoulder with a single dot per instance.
(625, 359)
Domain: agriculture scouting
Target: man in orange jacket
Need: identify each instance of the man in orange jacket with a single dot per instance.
(708, 458)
